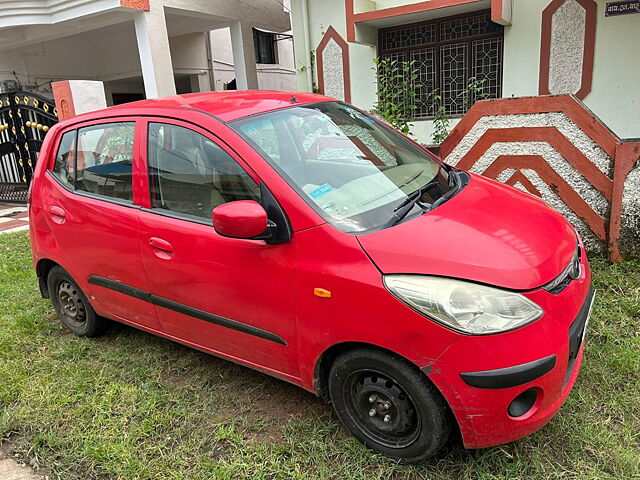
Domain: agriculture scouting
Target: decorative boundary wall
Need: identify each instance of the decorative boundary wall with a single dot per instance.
(74, 97)
(332, 59)
(555, 148)
(567, 47)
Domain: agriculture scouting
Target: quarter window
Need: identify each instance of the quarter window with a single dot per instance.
(65, 164)
(191, 175)
(105, 159)
(447, 53)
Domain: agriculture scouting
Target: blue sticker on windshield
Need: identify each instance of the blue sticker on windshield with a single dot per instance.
(321, 191)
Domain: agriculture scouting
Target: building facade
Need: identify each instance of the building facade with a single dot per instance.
(138, 48)
(557, 80)
(514, 48)
(274, 58)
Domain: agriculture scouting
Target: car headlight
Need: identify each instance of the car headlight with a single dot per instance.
(464, 306)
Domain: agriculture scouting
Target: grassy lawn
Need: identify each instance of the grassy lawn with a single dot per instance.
(130, 405)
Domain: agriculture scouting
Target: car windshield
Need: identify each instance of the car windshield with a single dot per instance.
(359, 175)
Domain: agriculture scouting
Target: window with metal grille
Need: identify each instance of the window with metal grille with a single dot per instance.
(448, 52)
(264, 44)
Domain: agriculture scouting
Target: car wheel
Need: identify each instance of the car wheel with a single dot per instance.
(72, 306)
(389, 405)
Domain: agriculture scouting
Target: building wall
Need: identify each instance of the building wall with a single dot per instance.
(280, 76)
(614, 96)
(71, 39)
(101, 55)
(331, 13)
(111, 55)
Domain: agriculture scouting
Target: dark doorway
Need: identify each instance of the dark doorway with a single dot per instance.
(119, 98)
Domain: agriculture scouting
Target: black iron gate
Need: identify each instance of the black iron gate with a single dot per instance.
(25, 119)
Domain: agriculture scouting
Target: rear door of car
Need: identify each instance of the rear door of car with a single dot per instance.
(231, 296)
(89, 200)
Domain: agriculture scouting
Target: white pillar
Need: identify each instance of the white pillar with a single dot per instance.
(153, 49)
(301, 45)
(244, 57)
(200, 82)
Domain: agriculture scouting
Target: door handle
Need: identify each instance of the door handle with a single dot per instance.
(160, 244)
(58, 215)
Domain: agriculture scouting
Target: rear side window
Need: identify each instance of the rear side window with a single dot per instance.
(189, 174)
(65, 165)
(104, 160)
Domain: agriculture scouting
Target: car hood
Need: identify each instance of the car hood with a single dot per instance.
(489, 233)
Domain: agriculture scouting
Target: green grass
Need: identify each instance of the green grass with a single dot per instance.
(133, 406)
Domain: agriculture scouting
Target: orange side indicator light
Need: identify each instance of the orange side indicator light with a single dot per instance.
(322, 293)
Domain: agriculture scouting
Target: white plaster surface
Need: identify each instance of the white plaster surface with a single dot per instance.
(567, 48)
(333, 70)
(630, 233)
(88, 95)
(614, 96)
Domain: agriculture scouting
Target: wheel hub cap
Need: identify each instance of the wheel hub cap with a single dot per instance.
(71, 302)
(383, 409)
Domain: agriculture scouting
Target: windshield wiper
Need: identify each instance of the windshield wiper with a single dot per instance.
(458, 183)
(403, 209)
(414, 197)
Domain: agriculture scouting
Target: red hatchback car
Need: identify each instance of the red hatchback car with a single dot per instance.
(296, 235)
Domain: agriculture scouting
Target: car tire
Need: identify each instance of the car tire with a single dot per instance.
(72, 306)
(389, 405)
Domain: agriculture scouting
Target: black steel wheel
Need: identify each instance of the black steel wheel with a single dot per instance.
(389, 405)
(72, 306)
(385, 412)
(71, 303)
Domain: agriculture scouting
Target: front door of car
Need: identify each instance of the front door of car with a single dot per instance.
(88, 196)
(231, 296)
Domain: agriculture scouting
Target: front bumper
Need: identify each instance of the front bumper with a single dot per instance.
(481, 376)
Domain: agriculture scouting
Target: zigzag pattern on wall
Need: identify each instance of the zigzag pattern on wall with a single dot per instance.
(555, 148)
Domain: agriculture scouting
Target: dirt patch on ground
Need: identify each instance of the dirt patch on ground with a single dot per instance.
(261, 400)
(13, 467)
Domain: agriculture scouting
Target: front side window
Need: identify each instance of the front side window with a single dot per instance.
(189, 174)
(65, 164)
(354, 172)
(105, 159)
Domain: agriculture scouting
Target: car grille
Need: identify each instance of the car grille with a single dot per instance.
(577, 332)
(571, 272)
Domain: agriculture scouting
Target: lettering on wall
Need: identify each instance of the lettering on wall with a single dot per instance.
(622, 8)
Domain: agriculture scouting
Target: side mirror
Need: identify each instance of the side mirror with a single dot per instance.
(241, 219)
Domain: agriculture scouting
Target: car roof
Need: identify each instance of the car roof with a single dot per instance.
(231, 104)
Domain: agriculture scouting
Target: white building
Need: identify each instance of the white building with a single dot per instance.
(520, 47)
(563, 119)
(275, 66)
(145, 47)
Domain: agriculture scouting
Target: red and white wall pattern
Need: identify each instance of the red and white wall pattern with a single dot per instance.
(553, 147)
(332, 58)
(567, 47)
